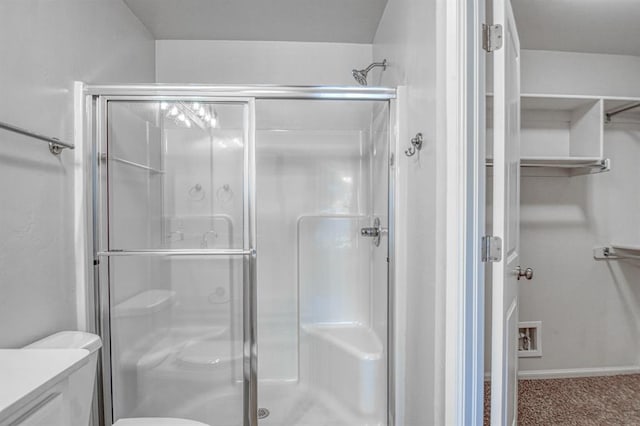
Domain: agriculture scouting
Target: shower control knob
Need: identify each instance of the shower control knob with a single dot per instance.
(374, 231)
(527, 273)
(370, 232)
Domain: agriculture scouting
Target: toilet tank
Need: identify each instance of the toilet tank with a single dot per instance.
(81, 382)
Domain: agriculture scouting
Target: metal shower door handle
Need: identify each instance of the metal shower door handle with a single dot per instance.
(374, 231)
(527, 273)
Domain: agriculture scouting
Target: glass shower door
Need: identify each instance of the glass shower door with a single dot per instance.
(177, 256)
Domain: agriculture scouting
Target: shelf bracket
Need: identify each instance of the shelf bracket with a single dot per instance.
(603, 167)
(610, 253)
(604, 253)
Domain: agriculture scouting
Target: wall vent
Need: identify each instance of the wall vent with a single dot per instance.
(530, 339)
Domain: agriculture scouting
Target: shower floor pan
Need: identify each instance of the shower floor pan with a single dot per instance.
(342, 380)
(299, 404)
(289, 404)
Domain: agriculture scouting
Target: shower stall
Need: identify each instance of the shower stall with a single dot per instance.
(243, 243)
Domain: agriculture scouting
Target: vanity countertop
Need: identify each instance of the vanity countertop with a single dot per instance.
(26, 373)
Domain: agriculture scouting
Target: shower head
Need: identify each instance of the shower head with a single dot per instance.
(361, 75)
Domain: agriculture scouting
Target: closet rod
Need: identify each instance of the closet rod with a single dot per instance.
(617, 111)
(55, 145)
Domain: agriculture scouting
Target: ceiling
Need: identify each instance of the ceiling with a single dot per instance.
(347, 21)
(591, 26)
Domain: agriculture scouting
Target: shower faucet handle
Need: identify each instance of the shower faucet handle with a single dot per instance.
(374, 231)
(370, 232)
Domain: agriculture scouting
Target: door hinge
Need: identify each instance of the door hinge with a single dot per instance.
(491, 37)
(491, 249)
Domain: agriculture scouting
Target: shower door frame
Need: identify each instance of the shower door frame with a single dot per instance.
(94, 128)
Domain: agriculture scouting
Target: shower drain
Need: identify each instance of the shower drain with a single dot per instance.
(263, 413)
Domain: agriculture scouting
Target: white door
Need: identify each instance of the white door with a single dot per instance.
(506, 219)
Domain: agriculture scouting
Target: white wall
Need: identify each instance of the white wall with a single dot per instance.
(580, 73)
(258, 62)
(545, 71)
(590, 310)
(45, 45)
(406, 37)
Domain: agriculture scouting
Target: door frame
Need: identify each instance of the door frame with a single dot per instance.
(93, 300)
(461, 100)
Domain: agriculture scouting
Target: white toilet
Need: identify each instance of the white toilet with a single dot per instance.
(92, 343)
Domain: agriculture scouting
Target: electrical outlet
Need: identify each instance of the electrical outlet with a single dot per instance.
(530, 339)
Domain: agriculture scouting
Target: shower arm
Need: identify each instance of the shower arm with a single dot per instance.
(382, 64)
(361, 75)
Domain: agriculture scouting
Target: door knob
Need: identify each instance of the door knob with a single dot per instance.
(527, 273)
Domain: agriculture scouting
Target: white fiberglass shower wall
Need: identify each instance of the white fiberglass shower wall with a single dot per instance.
(174, 283)
(322, 176)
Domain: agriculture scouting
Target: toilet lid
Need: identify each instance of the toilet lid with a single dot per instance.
(157, 421)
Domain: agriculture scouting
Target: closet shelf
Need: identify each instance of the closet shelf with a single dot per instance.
(616, 251)
(591, 164)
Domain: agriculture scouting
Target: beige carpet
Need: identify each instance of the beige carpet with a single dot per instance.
(587, 401)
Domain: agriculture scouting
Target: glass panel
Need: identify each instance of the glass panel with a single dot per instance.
(176, 338)
(175, 174)
(322, 173)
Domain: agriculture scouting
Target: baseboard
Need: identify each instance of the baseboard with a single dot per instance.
(578, 372)
(574, 372)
